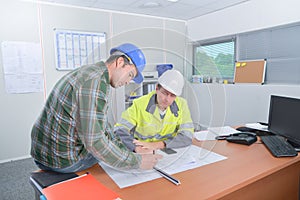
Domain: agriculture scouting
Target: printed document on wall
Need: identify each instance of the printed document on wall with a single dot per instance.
(22, 66)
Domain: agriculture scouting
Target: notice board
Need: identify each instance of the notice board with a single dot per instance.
(251, 71)
(77, 48)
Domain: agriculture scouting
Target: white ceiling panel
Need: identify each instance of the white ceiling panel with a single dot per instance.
(181, 10)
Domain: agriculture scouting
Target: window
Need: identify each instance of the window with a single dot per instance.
(215, 60)
(280, 46)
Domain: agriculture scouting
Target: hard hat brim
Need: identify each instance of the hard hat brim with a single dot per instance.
(170, 90)
(138, 78)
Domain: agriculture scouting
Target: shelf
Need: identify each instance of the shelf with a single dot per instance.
(150, 80)
(134, 90)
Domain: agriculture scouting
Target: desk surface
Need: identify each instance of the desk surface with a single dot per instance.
(248, 169)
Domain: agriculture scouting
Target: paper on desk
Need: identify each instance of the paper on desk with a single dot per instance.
(185, 159)
(212, 132)
(223, 130)
(204, 135)
(257, 126)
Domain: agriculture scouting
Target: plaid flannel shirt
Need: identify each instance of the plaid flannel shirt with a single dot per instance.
(74, 122)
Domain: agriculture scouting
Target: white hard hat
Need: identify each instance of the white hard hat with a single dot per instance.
(172, 80)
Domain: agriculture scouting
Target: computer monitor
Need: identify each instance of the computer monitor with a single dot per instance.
(284, 118)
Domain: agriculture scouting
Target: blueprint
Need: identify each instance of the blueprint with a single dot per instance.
(186, 158)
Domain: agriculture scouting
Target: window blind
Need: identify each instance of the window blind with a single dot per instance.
(280, 46)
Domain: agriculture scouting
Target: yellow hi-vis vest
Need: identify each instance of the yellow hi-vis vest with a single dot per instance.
(142, 121)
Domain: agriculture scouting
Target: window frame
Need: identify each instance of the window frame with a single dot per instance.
(213, 42)
(274, 74)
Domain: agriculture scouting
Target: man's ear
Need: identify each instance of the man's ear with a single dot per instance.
(120, 61)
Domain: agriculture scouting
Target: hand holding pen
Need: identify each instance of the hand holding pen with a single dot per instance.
(149, 160)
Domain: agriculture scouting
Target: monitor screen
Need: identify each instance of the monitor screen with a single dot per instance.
(284, 118)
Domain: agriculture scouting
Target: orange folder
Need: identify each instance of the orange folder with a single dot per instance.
(79, 188)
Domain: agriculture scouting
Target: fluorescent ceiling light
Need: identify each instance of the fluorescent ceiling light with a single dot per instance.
(150, 4)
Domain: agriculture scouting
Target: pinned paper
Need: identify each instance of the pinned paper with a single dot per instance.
(238, 64)
(244, 64)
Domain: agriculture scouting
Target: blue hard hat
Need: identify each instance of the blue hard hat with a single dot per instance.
(136, 56)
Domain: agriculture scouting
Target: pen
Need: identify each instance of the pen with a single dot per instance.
(167, 176)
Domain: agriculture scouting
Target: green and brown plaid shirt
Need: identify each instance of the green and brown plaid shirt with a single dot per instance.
(74, 122)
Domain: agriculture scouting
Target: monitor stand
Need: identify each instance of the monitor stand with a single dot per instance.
(295, 145)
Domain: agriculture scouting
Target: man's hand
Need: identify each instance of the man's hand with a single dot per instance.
(142, 150)
(149, 160)
(149, 145)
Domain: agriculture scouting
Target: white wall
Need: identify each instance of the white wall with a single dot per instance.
(232, 105)
(218, 105)
(31, 22)
(249, 16)
(18, 22)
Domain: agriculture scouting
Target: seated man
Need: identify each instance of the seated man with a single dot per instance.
(159, 119)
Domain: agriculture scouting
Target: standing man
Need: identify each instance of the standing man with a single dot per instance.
(72, 133)
(159, 119)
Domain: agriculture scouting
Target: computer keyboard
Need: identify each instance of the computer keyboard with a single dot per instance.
(278, 146)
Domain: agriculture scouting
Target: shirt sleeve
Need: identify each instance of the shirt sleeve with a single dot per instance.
(125, 125)
(185, 131)
(94, 131)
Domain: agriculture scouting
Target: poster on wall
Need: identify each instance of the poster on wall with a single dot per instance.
(76, 48)
(22, 66)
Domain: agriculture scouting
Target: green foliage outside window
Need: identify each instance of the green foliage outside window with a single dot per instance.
(215, 60)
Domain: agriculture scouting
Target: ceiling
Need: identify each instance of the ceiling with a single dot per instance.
(180, 10)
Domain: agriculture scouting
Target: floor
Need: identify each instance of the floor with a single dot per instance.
(14, 180)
